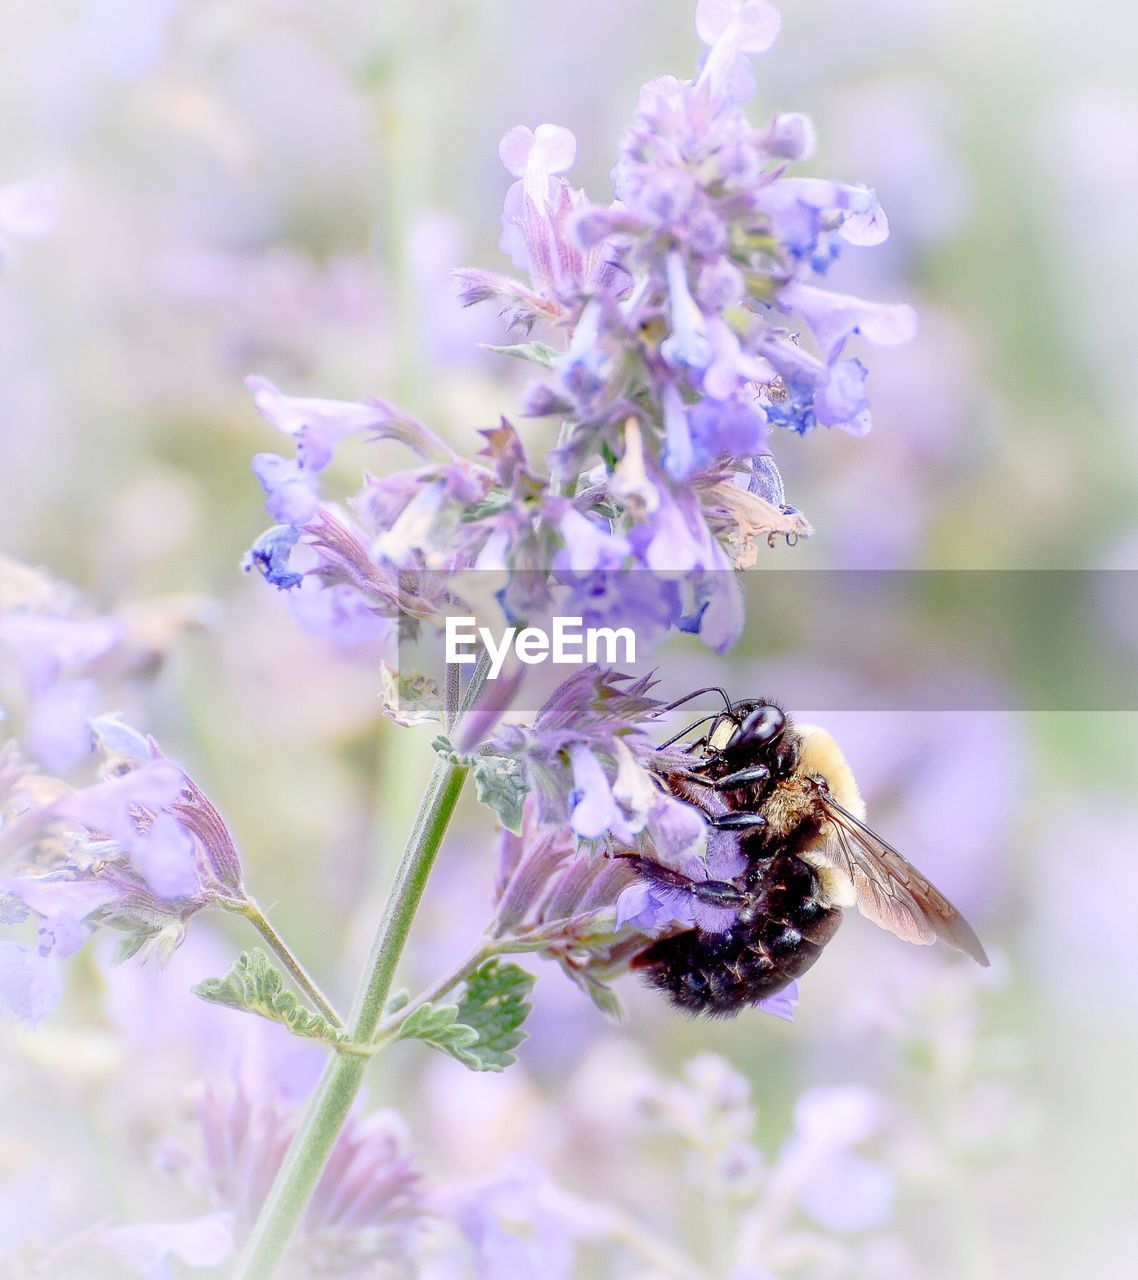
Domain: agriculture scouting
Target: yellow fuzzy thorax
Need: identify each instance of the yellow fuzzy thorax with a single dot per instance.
(820, 754)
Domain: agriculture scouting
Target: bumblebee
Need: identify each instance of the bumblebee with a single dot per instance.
(787, 834)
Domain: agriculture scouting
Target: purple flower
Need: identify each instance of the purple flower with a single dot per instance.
(517, 1223)
(269, 555)
(589, 544)
(64, 906)
(663, 359)
(339, 613)
(719, 427)
(291, 491)
(109, 806)
(535, 157)
(783, 1004)
(841, 1190)
(64, 659)
(153, 1249)
(57, 730)
(318, 426)
(834, 316)
(679, 449)
(47, 646)
(141, 851)
(593, 810)
(367, 1204)
(790, 136)
(634, 598)
(750, 25)
(733, 29)
(688, 345)
(811, 216)
(842, 401)
(30, 983)
(539, 210)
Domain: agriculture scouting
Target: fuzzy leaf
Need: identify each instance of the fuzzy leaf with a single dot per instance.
(495, 1004)
(493, 504)
(534, 352)
(601, 994)
(400, 1000)
(485, 1026)
(255, 984)
(409, 698)
(499, 781)
(438, 1026)
(129, 947)
(500, 784)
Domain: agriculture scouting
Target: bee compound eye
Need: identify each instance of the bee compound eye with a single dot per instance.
(762, 726)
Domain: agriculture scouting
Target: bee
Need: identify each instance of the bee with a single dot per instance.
(789, 841)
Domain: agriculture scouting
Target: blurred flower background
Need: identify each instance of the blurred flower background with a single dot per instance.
(194, 192)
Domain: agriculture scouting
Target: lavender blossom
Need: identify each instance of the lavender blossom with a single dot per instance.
(141, 850)
(61, 658)
(519, 1223)
(367, 1207)
(670, 365)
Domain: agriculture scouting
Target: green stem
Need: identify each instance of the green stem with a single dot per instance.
(303, 979)
(389, 1027)
(328, 1110)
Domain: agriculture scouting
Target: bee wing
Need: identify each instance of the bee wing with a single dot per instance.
(889, 890)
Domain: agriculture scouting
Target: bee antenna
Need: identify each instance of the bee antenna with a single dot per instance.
(683, 733)
(697, 693)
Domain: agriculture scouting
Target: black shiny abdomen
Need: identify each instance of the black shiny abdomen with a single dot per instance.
(777, 937)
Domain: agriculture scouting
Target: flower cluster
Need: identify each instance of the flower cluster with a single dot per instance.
(366, 1215)
(140, 848)
(367, 1206)
(55, 657)
(670, 324)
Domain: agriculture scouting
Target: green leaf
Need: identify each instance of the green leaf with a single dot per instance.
(483, 1029)
(129, 947)
(409, 698)
(499, 782)
(494, 503)
(400, 1000)
(495, 1004)
(438, 1026)
(534, 352)
(256, 985)
(603, 996)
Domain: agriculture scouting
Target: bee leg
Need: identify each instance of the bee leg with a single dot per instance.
(656, 871)
(740, 778)
(729, 782)
(738, 821)
(717, 892)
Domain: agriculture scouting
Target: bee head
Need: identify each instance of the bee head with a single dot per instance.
(754, 730)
